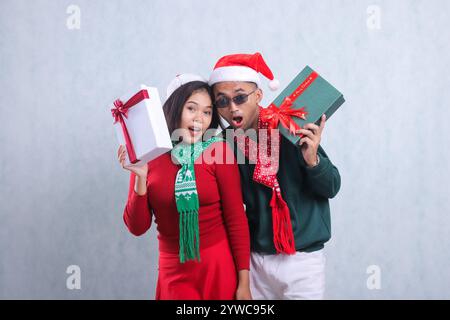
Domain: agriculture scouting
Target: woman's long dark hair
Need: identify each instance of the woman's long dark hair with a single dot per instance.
(173, 107)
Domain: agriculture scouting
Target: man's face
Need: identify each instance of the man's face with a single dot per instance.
(241, 100)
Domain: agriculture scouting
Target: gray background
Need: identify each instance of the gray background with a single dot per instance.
(62, 192)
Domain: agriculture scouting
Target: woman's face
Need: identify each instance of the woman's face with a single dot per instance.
(196, 116)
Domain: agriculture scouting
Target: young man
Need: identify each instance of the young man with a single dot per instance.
(287, 208)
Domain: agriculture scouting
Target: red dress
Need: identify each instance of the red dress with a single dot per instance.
(224, 234)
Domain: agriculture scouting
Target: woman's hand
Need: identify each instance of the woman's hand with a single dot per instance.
(243, 289)
(243, 293)
(140, 171)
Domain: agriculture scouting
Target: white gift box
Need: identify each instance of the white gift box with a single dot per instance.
(146, 127)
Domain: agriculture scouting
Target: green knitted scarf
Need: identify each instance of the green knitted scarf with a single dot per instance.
(186, 197)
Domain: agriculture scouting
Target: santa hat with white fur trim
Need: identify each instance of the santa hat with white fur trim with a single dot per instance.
(182, 79)
(242, 67)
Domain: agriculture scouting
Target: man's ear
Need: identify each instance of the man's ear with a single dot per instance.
(259, 95)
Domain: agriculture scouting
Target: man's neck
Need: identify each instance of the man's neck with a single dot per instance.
(256, 121)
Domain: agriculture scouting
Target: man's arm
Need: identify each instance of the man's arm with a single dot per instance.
(321, 175)
(324, 178)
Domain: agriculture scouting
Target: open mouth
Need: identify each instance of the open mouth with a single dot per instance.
(195, 130)
(237, 121)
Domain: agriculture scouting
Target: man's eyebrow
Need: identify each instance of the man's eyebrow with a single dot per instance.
(236, 90)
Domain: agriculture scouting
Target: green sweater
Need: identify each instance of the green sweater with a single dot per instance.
(306, 192)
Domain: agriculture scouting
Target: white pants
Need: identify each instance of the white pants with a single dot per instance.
(288, 277)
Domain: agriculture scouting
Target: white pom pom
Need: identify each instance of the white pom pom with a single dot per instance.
(274, 84)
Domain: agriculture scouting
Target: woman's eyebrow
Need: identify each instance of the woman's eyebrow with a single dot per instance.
(190, 101)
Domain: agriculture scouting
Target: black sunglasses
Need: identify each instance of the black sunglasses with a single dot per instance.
(224, 101)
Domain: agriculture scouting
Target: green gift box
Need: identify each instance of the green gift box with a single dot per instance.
(310, 91)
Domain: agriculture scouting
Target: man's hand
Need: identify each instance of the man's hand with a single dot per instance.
(310, 141)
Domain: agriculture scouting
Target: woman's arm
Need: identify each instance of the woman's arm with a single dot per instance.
(140, 186)
(229, 184)
(137, 214)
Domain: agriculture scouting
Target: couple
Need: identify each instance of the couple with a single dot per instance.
(209, 246)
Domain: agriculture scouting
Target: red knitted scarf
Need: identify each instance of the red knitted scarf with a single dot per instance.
(267, 160)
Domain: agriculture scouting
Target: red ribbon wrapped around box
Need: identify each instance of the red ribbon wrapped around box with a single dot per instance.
(120, 111)
(283, 114)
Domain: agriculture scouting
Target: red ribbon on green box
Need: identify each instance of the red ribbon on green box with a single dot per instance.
(283, 114)
(120, 111)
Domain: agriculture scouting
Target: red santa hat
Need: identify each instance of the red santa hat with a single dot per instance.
(242, 67)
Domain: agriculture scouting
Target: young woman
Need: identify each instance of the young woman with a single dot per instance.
(204, 245)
